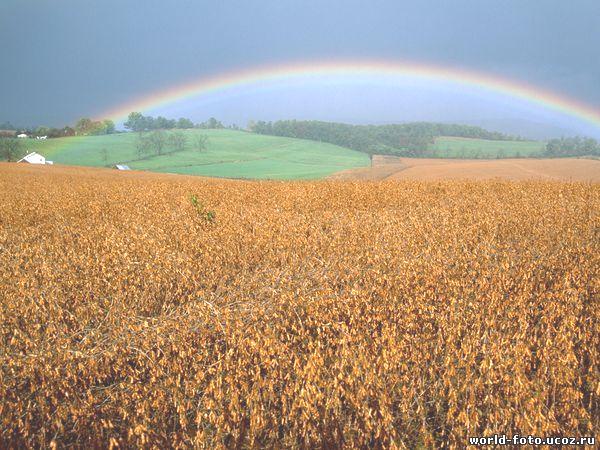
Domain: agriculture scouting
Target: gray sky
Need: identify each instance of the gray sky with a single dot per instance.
(63, 59)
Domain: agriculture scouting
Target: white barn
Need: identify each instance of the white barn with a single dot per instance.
(122, 167)
(35, 158)
(22, 136)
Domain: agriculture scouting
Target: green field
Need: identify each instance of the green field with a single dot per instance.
(238, 154)
(456, 147)
(228, 153)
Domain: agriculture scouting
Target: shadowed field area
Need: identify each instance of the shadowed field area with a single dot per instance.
(424, 169)
(152, 310)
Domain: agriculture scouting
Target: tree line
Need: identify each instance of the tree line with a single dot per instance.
(161, 142)
(154, 138)
(409, 139)
(136, 121)
(83, 127)
(89, 127)
(572, 146)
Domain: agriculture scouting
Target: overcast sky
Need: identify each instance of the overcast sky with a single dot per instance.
(63, 59)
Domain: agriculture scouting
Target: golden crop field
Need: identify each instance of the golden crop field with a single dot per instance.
(326, 314)
(439, 169)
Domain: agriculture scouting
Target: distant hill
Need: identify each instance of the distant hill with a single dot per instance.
(418, 139)
(327, 148)
(526, 128)
(227, 153)
(457, 147)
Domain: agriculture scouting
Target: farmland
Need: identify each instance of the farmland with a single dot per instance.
(243, 155)
(302, 314)
(236, 154)
(435, 169)
(228, 153)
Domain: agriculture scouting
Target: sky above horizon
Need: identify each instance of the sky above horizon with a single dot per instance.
(66, 59)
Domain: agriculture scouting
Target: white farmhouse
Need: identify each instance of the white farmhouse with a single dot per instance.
(35, 158)
(22, 136)
(122, 167)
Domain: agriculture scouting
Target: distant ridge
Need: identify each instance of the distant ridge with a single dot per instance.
(414, 139)
(526, 128)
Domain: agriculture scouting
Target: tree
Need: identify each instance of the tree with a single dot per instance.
(135, 122)
(157, 141)
(10, 149)
(42, 131)
(161, 123)
(148, 123)
(213, 123)
(54, 133)
(141, 145)
(68, 131)
(210, 123)
(109, 126)
(177, 141)
(86, 126)
(200, 142)
(83, 126)
(184, 123)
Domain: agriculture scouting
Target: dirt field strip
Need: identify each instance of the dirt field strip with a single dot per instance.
(395, 168)
(383, 167)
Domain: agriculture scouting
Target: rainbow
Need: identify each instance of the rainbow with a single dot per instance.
(288, 72)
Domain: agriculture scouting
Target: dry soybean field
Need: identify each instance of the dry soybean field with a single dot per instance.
(162, 311)
(438, 169)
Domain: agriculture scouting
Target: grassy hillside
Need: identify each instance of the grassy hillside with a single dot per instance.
(237, 154)
(413, 139)
(232, 154)
(456, 147)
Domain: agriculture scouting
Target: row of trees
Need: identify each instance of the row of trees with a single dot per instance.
(136, 121)
(572, 146)
(88, 127)
(161, 142)
(39, 131)
(410, 139)
(83, 127)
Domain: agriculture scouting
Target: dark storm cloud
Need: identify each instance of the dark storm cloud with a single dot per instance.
(62, 59)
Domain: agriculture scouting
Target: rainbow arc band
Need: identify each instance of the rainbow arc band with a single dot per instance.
(277, 73)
